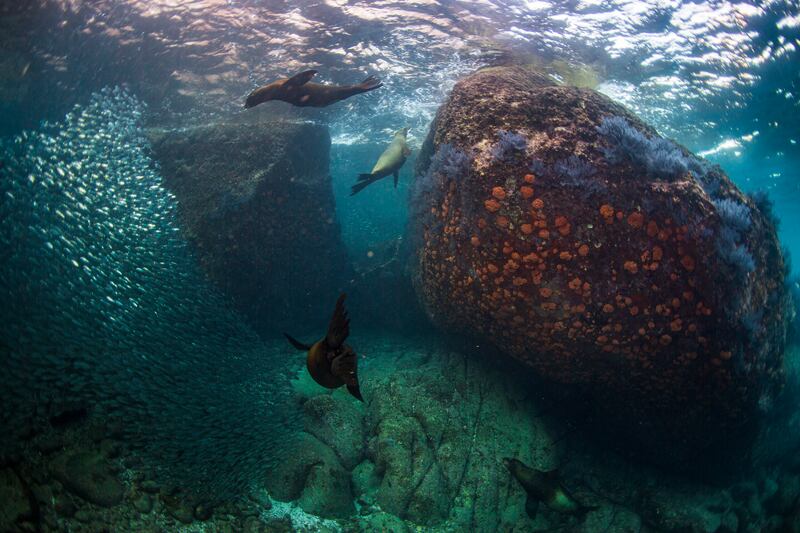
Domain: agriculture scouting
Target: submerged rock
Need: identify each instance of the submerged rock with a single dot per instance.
(680, 510)
(179, 505)
(438, 424)
(15, 505)
(86, 474)
(314, 476)
(364, 478)
(381, 521)
(143, 503)
(256, 200)
(327, 492)
(150, 486)
(64, 506)
(179, 512)
(49, 443)
(554, 224)
(338, 424)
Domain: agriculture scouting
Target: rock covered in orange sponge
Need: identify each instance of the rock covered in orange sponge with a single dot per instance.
(608, 247)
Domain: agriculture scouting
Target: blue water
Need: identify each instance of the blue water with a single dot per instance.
(718, 77)
(104, 301)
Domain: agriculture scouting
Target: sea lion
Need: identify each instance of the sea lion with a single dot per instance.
(330, 361)
(544, 487)
(299, 91)
(389, 162)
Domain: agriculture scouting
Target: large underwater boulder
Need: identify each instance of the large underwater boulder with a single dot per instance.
(88, 475)
(257, 203)
(557, 226)
(16, 504)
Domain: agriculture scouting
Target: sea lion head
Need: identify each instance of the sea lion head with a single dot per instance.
(510, 464)
(262, 94)
(527, 476)
(402, 131)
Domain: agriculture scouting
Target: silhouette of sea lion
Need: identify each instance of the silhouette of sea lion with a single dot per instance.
(299, 91)
(389, 162)
(544, 487)
(330, 361)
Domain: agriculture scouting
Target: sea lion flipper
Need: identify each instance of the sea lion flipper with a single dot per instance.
(296, 343)
(406, 151)
(339, 327)
(396, 178)
(552, 475)
(531, 507)
(345, 367)
(363, 181)
(370, 83)
(353, 389)
(300, 79)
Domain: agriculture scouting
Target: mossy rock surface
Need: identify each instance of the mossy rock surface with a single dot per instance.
(87, 474)
(15, 504)
(339, 424)
(314, 476)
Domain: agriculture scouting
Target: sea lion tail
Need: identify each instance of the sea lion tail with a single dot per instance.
(531, 506)
(363, 181)
(370, 83)
(296, 343)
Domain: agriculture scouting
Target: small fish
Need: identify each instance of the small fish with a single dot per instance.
(330, 361)
(389, 162)
(544, 487)
(299, 91)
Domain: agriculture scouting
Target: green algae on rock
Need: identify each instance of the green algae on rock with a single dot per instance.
(337, 424)
(314, 476)
(462, 415)
(433, 424)
(16, 505)
(87, 474)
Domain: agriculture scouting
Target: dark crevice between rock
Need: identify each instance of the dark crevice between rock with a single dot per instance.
(433, 450)
(35, 516)
(332, 448)
(471, 448)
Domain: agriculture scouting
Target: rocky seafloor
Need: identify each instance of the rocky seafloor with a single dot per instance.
(423, 453)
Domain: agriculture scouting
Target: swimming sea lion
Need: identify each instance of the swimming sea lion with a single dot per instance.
(299, 91)
(330, 361)
(389, 162)
(544, 487)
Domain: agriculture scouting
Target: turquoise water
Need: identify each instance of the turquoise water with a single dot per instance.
(158, 239)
